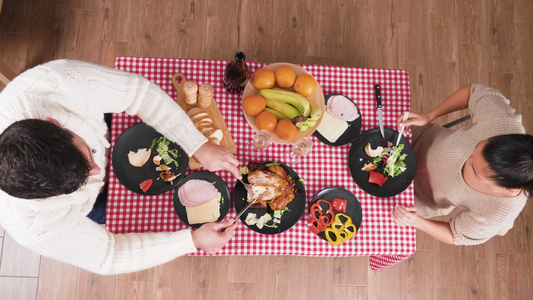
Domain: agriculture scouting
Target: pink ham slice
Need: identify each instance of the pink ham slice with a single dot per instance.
(342, 108)
(196, 192)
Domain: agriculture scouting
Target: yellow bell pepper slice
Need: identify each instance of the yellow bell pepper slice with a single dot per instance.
(341, 230)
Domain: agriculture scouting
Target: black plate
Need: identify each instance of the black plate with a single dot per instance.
(357, 158)
(288, 219)
(349, 134)
(353, 207)
(221, 186)
(136, 137)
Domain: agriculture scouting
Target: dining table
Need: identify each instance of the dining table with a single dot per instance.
(379, 237)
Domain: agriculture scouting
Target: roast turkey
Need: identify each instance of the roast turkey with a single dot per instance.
(271, 185)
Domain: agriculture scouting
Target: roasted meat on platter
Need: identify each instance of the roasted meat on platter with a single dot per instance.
(271, 185)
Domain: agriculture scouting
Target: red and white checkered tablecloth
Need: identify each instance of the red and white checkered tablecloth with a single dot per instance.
(379, 237)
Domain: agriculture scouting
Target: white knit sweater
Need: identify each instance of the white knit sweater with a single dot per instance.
(77, 94)
(441, 154)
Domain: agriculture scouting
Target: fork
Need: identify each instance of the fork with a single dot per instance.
(405, 117)
(248, 187)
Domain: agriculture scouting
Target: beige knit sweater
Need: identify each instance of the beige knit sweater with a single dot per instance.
(441, 153)
(77, 94)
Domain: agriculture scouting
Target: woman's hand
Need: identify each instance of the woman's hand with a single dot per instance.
(407, 216)
(215, 157)
(457, 101)
(211, 238)
(404, 216)
(417, 119)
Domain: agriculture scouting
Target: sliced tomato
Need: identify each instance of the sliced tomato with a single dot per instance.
(377, 178)
(145, 185)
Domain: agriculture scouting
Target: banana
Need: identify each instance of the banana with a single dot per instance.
(316, 112)
(314, 116)
(294, 99)
(282, 107)
(276, 113)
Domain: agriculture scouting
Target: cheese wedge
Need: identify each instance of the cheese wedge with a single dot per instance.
(204, 213)
(331, 128)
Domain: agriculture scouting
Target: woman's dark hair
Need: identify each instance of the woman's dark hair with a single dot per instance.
(39, 160)
(511, 158)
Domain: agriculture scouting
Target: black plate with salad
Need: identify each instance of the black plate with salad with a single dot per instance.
(358, 158)
(141, 136)
(269, 221)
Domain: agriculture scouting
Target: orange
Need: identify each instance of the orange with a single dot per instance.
(285, 76)
(305, 85)
(263, 79)
(266, 121)
(285, 129)
(253, 104)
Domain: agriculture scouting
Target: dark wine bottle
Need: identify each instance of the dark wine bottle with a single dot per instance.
(236, 74)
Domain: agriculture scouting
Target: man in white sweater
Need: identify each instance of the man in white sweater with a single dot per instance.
(53, 141)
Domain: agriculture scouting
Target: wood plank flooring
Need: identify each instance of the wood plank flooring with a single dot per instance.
(442, 44)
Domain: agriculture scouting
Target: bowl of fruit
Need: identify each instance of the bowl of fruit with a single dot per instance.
(284, 99)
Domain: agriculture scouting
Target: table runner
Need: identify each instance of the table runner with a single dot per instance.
(326, 166)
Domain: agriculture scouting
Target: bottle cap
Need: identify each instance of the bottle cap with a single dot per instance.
(240, 57)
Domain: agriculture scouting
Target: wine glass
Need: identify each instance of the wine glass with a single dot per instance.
(295, 152)
(261, 140)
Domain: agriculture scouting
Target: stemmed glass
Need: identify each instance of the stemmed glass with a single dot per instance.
(295, 152)
(261, 140)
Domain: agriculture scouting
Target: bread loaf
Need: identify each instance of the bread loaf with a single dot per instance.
(205, 125)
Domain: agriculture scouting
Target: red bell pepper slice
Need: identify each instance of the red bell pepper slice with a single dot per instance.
(319, 219)
(145, 185)
(325, 215)
(339, 204)
(377, 178)
(316, 226)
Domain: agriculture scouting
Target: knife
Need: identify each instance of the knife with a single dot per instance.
(249, 194)
(242, 211)
(379, 109)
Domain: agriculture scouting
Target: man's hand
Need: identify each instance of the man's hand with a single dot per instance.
(211, 238)
(404, 216)
(215, 157)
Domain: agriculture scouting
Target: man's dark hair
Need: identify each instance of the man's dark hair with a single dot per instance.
(511, 158)
(39, 160)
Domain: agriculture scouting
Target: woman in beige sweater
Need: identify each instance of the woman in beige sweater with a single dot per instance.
(479, 175)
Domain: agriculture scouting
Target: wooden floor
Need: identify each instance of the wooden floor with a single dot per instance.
(442, 44)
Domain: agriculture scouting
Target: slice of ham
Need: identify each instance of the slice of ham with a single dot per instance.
(196, 192)
(342, 108)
